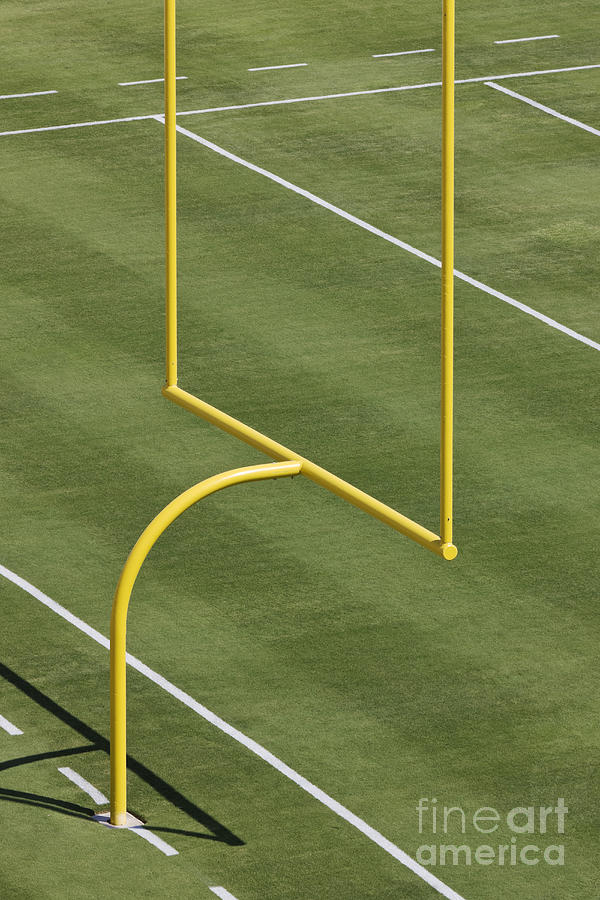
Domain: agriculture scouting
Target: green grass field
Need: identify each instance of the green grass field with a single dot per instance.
(378, 672)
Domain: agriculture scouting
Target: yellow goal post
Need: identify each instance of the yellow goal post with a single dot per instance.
(441, 544)
(288, 463)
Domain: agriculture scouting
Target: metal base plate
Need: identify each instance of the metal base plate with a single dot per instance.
(103, 818)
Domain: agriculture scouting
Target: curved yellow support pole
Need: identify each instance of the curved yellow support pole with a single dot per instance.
(118, 621)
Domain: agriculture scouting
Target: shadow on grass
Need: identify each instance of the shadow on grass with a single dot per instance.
(51, 803)
(50, 754)
(218, 832)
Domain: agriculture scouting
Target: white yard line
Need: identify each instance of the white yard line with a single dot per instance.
(243, 739)
(93, 792)
(222, 893)
(288, 66)
(527, 309)
(31, 94)
(383, 234)
(76, 125)
(150, 81)
(99, 799)
(540, 37)
(390, 90)
(546, 109)
(9, 727)
(154, 840)
(137, 827)
(401, 53)
(215, 109)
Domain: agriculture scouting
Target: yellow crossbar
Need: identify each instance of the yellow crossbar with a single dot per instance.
(321, 476)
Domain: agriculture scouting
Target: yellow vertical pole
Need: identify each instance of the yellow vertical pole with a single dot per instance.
(170, 193)
(447, 270)
(118, 717)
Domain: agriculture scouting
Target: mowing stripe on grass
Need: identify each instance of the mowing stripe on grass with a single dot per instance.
(241, 738)
(9, 727)
(93, 792)
(540, 37)
(402, 53)
(383, 234)
(31, 94)
(546, 109)
(222, 893)
(213, 109)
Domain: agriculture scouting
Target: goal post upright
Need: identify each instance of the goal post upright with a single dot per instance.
(170, 192)
(447, 362)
